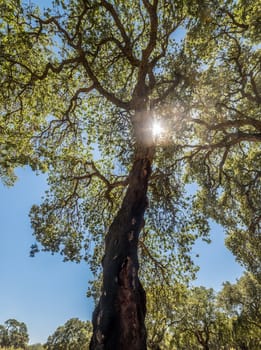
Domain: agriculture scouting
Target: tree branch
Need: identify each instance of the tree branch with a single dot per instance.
(234, 21)
(229, 123)
(152, 10)
(127, 49)
(83, 60)
(111, 97)
(167, 91)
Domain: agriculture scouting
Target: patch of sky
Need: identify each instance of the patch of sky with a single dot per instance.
(179, 34)
(217, 263)
(43, 292)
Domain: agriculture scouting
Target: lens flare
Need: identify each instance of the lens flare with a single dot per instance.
(157, 129)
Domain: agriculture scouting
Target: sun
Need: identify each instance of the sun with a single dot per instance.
(157, 129)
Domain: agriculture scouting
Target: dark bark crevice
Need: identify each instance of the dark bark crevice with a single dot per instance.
(118, 320)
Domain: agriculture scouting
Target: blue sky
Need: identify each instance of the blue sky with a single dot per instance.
(44, 292)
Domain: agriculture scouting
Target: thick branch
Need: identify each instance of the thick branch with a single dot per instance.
(229, 140)
(229, 123)
(147, 252)
(93, 171)
(127, 48)
(75, 97)
(234, 21)
(152, 10)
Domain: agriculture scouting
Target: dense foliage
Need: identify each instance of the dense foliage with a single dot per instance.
(57, 116)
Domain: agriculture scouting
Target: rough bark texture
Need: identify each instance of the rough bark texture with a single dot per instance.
(118, 320)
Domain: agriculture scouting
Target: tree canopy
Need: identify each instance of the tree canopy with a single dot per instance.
(82, 84)
(68, 76)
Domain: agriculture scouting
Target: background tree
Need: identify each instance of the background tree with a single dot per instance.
(162, 303)
(3, 336)
(199, 323)
(73, 335)
(181, 317)
(75, 71)
(242, 302)
(187, 318)
(14, 334)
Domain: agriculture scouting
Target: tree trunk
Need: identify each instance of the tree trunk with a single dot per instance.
(203, 342)
(118, 320)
